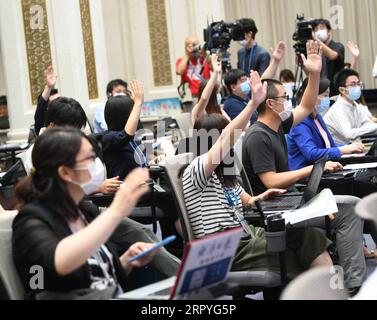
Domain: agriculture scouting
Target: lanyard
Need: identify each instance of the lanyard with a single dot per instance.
(250, 60)
(142, 159)
(237, 212)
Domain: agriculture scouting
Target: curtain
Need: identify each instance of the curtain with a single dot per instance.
(276, 20)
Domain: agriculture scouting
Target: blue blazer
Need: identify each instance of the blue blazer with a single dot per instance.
(306, 145)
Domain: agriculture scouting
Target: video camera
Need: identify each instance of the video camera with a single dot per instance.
(218, 37)
(303, 33)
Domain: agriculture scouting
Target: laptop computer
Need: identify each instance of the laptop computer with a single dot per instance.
(295, 200)
(13, 175)
(205, 265)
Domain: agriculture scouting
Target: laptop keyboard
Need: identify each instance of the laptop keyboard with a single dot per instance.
(282, 203)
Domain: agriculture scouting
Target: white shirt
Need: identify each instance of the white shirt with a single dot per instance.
(348, 122)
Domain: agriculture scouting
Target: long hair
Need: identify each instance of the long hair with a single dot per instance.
(56, 147)
(213, 122)
(212, 107)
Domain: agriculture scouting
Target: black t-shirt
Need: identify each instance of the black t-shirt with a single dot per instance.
(333, 67)
(265, 150)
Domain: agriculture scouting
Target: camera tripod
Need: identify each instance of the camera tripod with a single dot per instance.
(299, 77)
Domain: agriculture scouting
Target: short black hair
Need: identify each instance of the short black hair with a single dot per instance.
(341, 77)
(324, 84)
(114, 83)
(54, 92)
(323, 21)
(3, 101)
(249, 25)
(66, 112)
(117, 112)
(287, 75)
(272, 92)
(232, 77)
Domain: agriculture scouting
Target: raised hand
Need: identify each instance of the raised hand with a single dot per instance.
(313, 62)
(279, 52)
(51, 77)
(355, 51)
(216, 64)
(137, 92)
(259, 90)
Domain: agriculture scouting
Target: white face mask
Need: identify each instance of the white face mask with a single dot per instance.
(97, 174)
(322, 35)
(288, 108)
(243, 43)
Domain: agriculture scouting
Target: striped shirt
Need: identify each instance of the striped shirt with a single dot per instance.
(208, 210)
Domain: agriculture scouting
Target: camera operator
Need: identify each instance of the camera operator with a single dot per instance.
(334, 52)
(252, 56)
(193, 69)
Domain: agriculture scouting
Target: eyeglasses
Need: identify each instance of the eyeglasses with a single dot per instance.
(286, 97)
(356, 84)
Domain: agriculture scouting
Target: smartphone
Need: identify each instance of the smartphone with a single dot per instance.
(158, 245)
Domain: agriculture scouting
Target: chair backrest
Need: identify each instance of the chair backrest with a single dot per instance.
(314, 284)
(8, 273)
(173, 166)
(184, 123)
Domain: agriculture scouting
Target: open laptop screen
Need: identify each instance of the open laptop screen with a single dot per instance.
(207, 262)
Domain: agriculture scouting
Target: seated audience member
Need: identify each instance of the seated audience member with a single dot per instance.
(237, 84)
(121, 153)
(58, 231)
(193, 68)
(310, 140)
(265, 158)
(333, 52)
(287, 78)
(347, 119)
(114, 88)
(48, 95)
(4, 118)
(68, 112)
(252, 56)
(209, 94)
(214, 199)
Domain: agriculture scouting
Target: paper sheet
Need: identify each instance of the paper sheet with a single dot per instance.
(358, 166)
(322, 205)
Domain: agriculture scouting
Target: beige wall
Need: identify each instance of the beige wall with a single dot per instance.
(2, 78)
(276, 21)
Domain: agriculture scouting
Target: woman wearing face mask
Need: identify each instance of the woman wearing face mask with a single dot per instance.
(311, 140)
(56, 230)
(209, 94)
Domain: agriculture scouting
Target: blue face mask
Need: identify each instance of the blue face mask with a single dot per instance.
(324, 106)
(245, 88)
(354, 93)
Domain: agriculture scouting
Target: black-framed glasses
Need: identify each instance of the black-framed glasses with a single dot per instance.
(286, 97)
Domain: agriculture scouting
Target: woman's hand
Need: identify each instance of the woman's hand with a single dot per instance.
(134, 187)
(137, 92)
(134, 250)
(216, 64)
(110, 186)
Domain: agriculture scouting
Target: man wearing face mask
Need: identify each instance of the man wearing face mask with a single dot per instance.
(333, 52)
(265, 154)
(237, 84)
(193, 67)
(252, 56)
(347, 119)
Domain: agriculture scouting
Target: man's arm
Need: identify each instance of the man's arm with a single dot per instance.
(284, 180)
(313, 64)
(182, 65)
